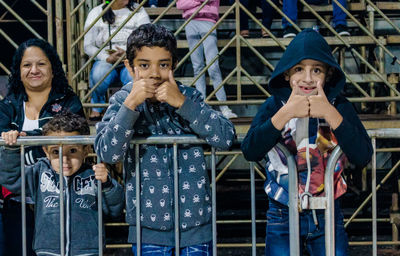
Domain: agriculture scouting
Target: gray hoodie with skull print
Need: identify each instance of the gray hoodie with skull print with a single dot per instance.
(194, 117)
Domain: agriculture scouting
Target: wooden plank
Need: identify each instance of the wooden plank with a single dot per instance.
(262, 42)
(358, 78)
(393, 39)
(353, 7)
(388, 6)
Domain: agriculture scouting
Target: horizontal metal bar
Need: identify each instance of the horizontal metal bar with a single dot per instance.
(385, 133)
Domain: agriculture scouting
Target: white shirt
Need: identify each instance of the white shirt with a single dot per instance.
(99, 33)
(29, 125)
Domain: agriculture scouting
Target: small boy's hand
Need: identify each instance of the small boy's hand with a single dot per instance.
(100, 172)
(319, 104)
(10, 137)
(142, 89)
(297, 105)
(169, 92)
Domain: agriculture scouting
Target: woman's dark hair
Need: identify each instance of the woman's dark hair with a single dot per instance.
(67, 121)
(151, 35)
(59, 82)
(109, 15)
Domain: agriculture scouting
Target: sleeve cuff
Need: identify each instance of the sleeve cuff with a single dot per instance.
(107, 185)
(187, 110)
(126, 117)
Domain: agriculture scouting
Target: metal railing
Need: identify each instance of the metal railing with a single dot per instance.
(89, 140)
(293, 209)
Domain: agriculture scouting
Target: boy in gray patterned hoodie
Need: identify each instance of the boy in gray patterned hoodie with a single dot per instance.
(80, 190)
(156, 105)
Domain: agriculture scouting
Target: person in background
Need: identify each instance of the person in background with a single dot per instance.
(309, 116)
(80, 190)
(37, 90)
(266, 19)
(195, 30)
(339, 16)
(119, 11)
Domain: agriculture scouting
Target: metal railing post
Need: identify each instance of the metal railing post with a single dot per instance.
(294, 229)
(176, 199)
(62, 227)
(23, 201)
(373, 186)
(100, 213)
(138, 228)
(330, 202)
(253, 210)
(214, 201)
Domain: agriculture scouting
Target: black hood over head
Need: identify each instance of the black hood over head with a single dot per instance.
(308, 44)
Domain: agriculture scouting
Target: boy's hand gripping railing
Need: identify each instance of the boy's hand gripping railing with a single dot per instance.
(326, 203)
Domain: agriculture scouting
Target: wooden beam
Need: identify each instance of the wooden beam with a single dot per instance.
(353, 7)
(262, 42)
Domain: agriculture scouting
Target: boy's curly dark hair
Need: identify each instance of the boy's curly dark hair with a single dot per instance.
(151, 35)
(67, 121)
(59, 82)
(109, 15)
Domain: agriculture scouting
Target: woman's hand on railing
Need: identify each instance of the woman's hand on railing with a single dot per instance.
(10, 137)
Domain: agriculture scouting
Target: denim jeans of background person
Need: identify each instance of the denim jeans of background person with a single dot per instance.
(267, 15)
(159, 250)
(312, 238)
(338, 20)
(96, 74)
(195, 30)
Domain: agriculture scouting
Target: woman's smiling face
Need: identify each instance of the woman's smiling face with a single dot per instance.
(36, 71)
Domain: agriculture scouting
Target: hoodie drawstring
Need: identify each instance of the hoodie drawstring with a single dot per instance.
(306, 195)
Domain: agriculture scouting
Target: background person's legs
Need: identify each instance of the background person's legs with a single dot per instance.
(124, 76)
(193, 36)
(211, 50)
(98, 71)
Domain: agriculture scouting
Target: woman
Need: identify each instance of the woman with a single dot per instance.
(98, 34)
(37, 90)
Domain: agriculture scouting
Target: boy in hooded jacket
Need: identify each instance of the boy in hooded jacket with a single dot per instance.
(80, 190)
(306, 113)
(155, 104)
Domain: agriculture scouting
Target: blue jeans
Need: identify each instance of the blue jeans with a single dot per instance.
(312, 237)
(290, 9)
(160, 250)
(267, 12)
(195, 30)
(99, 69)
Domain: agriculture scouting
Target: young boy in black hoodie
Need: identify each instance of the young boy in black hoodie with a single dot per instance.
(306, 113)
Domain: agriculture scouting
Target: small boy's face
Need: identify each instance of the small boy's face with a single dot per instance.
(73, 155)
(306, 75)
(152, 63)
